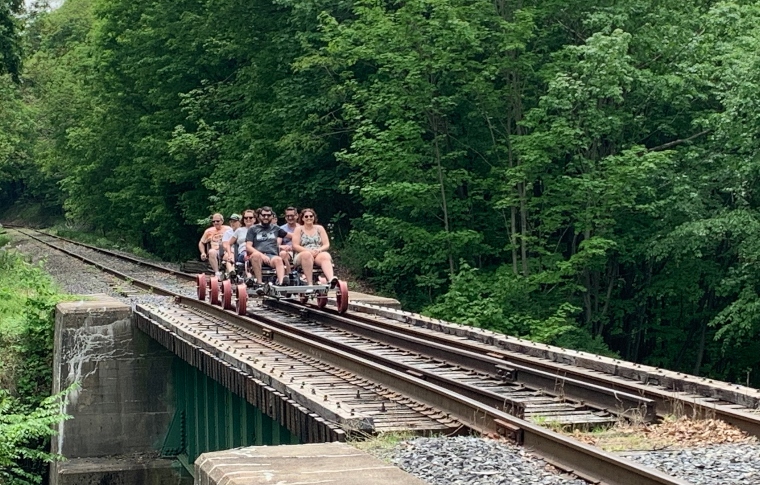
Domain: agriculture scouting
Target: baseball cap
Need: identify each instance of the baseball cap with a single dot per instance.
(235, 217)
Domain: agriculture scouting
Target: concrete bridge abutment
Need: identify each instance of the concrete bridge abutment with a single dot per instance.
(123, 405)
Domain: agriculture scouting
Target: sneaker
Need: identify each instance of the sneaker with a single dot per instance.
(250, 282)
(260, 290)
(333, 282)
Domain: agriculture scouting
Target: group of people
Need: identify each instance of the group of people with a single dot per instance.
(255, 237)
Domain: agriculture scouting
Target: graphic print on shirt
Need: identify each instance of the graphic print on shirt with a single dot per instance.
(213, 238)
(265, 236)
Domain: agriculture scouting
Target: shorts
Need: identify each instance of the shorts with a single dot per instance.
(270, 256)
(296, 260)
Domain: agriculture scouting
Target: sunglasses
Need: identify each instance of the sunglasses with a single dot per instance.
(217, 222)
(265, 215)
(248, 218)
(289, 216)
(308, 217)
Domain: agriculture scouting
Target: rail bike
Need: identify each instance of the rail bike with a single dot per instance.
(233, 293)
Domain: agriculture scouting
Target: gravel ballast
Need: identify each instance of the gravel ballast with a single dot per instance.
(470, 460)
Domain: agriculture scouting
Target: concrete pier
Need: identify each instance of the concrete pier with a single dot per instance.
(314, 463)
(356, 297)
(123, 406)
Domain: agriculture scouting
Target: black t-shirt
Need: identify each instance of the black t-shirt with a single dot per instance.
(264, 238)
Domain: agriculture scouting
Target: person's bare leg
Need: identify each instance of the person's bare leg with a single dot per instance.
(213, 260)
(279, 268)
(256, 266)
(285, 255)
(324, 261)
(306, 259)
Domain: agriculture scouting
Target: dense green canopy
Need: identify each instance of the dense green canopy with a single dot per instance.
(581, 172)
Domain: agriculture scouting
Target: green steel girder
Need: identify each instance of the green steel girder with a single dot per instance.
(209, 417)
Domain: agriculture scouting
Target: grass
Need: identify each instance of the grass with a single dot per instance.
(381, 445)
(27, 299)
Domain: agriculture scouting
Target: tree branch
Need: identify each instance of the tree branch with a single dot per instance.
(674, 142)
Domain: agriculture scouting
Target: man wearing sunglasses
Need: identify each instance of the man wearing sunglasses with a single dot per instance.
(263, 245)
(212, 237)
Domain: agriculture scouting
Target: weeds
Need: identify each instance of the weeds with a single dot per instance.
(27, 304)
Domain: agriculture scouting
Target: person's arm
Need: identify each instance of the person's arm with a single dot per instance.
(297, 240)
(249, 238)
(227, 245)
(202, 247)
(325, 239)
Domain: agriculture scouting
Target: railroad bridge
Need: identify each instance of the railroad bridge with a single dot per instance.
(158, 388)
(164, 387)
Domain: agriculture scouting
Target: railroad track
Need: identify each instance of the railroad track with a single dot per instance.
(543, 366)
(413, 351)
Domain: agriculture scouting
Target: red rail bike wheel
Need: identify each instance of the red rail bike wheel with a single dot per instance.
(214, 291)
(241, 304)
(200, 282)
(341, 296)
(227, 295)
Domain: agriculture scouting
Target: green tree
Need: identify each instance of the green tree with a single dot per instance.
(20, 434)
(10, 38)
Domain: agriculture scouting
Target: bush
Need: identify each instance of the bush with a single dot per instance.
(27, 414)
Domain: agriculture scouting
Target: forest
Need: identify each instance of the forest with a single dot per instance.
(580, 172)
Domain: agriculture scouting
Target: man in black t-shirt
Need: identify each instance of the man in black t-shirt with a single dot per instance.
(263, 245)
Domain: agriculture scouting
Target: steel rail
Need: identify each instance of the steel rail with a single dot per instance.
(613, 401)
(543, 373)
(126, 257)
(584, 460)
(533, 371)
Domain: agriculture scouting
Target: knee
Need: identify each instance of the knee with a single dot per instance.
(256, 258)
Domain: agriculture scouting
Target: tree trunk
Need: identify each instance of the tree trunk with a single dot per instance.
(523, 230)
(444, 205)
(512, 208)
(700, 348)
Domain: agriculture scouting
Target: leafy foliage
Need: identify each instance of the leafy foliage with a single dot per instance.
(21, 434)
(27, 412)
(579, 172)
(10, 39)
